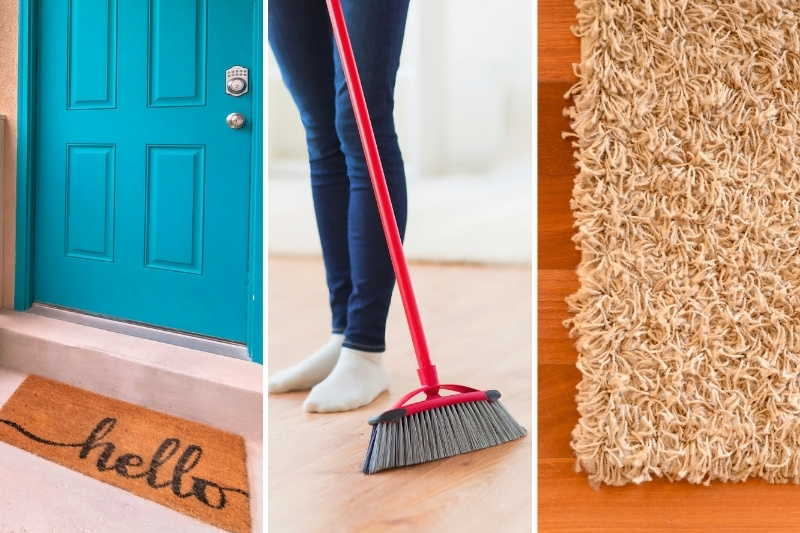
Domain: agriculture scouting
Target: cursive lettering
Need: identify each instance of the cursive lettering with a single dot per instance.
(205, 491)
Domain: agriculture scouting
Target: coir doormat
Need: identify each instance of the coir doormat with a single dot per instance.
(191, 468)
(687, 211)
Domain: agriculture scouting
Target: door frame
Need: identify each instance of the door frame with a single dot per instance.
(26, 174)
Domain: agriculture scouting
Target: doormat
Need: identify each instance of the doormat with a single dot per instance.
(686, 121)
(194, 469)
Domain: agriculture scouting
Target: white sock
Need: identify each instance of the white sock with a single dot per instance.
(358, 378)
(309, 371)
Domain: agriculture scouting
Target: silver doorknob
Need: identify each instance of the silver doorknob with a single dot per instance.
(235, 120)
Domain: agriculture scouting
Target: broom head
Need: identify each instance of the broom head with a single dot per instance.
(438, 427)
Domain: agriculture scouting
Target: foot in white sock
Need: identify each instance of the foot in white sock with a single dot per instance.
(310, 371)
(358, 378)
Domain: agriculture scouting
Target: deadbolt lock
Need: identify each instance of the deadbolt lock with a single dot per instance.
(237, 81)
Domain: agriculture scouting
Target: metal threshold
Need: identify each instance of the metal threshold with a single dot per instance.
(144, 331)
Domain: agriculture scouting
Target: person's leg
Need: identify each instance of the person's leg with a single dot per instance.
(301, 39)
(376, 33)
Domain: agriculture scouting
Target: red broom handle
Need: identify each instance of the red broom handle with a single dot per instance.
(426, 371)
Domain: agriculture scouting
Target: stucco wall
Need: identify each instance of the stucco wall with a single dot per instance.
(9, 16)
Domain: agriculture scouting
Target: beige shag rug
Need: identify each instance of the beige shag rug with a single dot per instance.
(686, 121)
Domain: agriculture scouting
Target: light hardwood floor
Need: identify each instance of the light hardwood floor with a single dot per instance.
(478, 324)
(566, 503)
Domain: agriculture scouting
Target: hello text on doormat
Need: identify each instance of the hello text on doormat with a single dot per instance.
(191, 468)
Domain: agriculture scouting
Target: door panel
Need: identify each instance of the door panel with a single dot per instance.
(142, 189)
(90, 201)
(177, 60)
(174, 206)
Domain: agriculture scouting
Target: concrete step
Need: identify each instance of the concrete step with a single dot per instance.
(37, 495)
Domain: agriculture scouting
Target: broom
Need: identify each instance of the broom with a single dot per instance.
(438, 426)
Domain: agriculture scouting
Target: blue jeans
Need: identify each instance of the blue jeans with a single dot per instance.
(358, 268)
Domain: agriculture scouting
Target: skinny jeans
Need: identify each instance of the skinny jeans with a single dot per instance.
(358, 268)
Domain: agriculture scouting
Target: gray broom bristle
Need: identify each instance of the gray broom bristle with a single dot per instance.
(439, 433)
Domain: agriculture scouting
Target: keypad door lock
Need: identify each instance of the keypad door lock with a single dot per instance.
(237, 81)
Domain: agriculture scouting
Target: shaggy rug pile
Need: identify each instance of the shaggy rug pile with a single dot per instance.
(686, 125)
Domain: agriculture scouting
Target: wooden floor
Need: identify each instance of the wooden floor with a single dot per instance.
(478, 324)
(566, 503)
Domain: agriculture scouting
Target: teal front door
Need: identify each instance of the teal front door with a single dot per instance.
(142, 191)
